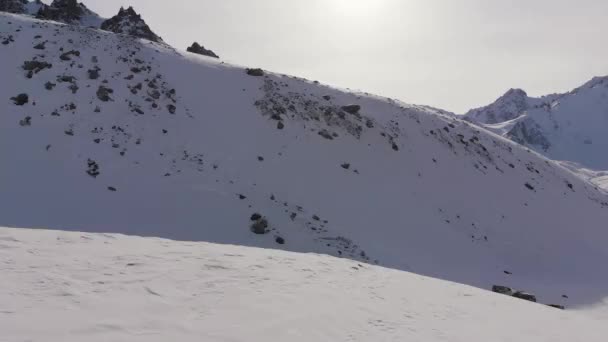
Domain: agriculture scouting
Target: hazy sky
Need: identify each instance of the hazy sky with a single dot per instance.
(452, 54)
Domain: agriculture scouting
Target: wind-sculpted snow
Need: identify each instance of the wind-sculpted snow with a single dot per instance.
(73, 287)
(121, 135)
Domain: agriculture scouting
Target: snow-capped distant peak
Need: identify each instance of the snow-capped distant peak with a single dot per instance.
(127, 21)
(569, 127)
(508, 107)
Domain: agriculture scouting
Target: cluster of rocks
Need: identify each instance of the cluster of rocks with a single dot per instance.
(521, 295)
(200, 50)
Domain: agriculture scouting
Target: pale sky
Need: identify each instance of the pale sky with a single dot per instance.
(451, 54)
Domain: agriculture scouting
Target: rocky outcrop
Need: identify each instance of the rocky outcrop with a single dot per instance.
(525, 296)
(66, 11)
(128, 22)
(529, 133)
(13, 6)
(502, 289)
(200, 50)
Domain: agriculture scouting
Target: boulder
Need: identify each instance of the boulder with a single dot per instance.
(260, 226)
(502, 289)
(200, 50)
(525, 296)
(20, 99)
(256, 72)
(103, 93)
(351, 109)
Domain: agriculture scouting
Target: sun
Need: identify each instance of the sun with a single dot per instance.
(356, 7)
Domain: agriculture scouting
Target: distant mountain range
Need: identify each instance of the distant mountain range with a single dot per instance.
(567, 127)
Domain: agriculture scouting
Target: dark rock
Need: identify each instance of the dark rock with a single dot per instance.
(40, 46)
(351, 109)
(66, 79)
(502, 289)
(279, 240)
(27, 121)
(326, 97)
(103, 93)
(257, 72)
(92, 168)
(260, 226)
(280, 125)
(530, 187)
(35, 66)
(557, 306)
(507, 272)
(200, 50)
(20, 99)
(111, 188)
(345, 166)
(171, 108)
(241, 196)
(255, 217)
(67, 56)
(325, 134)
(525, 296)
(128, 22)
(93, 73)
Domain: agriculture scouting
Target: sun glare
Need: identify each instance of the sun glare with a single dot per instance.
(356, 7)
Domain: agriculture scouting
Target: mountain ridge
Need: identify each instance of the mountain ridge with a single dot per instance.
(565, 127)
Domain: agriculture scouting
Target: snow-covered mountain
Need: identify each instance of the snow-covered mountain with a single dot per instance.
(569, 127)
(105, 132)
(74, 287)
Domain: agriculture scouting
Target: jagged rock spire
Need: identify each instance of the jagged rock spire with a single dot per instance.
(127, 21)
(199, 49)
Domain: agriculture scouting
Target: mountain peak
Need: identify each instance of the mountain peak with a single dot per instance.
(200, 50)
(515, 92)
(507, 107)
(129, 22)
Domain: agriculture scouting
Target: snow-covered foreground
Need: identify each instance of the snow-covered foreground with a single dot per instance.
(67, 286)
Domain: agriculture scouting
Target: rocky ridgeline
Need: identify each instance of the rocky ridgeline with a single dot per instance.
(128, 22)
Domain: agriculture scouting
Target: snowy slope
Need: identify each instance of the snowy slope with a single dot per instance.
(59, 286)
(570, 127)
(127, 136)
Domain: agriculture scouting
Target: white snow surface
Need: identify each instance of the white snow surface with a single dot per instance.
(64, 287)
(188, 148)
(573, 124)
